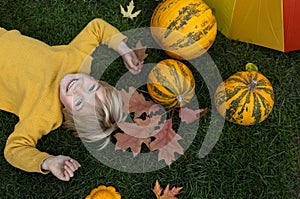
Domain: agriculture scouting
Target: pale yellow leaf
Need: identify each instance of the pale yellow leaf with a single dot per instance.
(129, 11)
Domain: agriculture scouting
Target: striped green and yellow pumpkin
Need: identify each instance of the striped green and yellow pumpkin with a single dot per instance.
(171, 83)
(185, 29)
(245, 98)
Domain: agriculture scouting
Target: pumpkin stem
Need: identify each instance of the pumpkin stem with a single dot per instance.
(252, 84)
(180, 98)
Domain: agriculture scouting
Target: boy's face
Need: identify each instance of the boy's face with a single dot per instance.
(77, 92)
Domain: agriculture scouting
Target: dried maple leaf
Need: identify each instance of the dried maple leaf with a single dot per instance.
(136, 102)
(140, 51)
(142, 128)
(129, 13)
(125, 141)
(126, 98)
(167, 194)
(166, 142)
(139, 105)
(188, 115)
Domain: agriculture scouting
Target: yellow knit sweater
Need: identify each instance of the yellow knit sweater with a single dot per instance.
(29, 85)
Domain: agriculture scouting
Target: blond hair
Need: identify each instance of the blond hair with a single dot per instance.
(93, 127)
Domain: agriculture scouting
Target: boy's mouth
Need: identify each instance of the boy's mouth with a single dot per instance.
(70, 84)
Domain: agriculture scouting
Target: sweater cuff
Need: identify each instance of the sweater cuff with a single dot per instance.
(43, 158)
(115, 40)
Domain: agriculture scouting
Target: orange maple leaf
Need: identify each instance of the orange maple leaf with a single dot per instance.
(166, 142)
(188, 115)
(125, 141)
(167, 193)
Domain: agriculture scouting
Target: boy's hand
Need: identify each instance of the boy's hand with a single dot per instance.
(130, 59)
(132, 63)
(63, 167)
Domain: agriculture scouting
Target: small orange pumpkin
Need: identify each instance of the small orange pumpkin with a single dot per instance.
(171, 83)
(245, 98)
(103, 192)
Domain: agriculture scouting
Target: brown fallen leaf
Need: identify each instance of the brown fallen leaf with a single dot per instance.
(140, 51)
(136, 102)
(149, 126)
(139, 105)
(125, 96)
(125, 141)
(166, 142)
(142, 128)
(167, 193)
(188, 115)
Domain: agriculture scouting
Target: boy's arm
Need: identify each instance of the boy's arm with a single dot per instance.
(97, 32)
(20, 150)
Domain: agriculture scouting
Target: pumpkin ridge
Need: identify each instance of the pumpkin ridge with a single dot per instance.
(267, 96)
(265, 104)
(266, 89)
(162, 93)
(256, 113)
(237, 79)
(245, 106)
(181, 75)
(231, 94)
(187, 83)
(234, 104)
(262, 82)
(163, 79)
(174, 73)
(159, 96)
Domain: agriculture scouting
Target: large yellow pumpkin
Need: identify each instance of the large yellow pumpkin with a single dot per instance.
(245, 98)
(185, 29)
(171, 83)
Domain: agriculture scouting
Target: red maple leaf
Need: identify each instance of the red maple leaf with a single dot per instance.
(167, 193)
(136, 102)
(125, 141)
(166, 142)
(142, 128)
(188, 115)
(126, 98)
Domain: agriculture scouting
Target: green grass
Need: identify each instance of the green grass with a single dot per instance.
(260, 161)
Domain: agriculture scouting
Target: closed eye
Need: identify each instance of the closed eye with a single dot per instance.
(78, 102)
(92, 88)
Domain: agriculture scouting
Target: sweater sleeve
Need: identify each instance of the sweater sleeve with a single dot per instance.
(20, 150)
(97, 32)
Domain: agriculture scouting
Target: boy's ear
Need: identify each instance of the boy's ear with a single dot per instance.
(64, 110)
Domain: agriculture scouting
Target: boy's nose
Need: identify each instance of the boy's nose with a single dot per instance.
(78, 90)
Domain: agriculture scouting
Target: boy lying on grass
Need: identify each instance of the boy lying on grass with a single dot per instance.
(41, 84)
